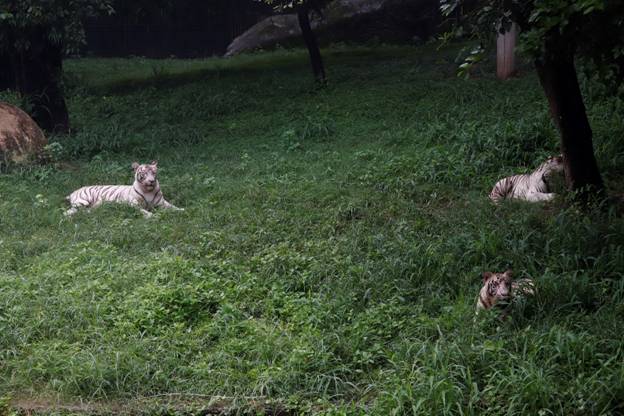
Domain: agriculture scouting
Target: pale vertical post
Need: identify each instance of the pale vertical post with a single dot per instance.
(505, 53)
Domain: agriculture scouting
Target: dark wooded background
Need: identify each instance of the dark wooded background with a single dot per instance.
(190, 28)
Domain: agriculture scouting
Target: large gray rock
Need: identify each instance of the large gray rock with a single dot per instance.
(21, 139)
(346, 20)
(266, 33)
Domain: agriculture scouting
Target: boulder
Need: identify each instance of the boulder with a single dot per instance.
(267, 33)
(346, 20)
(21, 139)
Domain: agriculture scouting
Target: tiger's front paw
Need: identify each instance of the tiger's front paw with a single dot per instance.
(146, 214)
(70, 212)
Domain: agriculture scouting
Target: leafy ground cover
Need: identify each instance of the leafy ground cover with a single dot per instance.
(329, 257)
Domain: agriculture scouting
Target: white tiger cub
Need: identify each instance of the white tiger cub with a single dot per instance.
(144, 193)
(533, 187)
(499, 289)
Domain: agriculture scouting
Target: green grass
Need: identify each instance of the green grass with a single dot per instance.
(329, 256)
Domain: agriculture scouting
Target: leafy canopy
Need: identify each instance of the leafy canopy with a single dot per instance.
(61, 19)
(592, 28)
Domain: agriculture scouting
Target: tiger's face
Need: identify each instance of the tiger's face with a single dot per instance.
(552, 167)
(145, 175)
(497, 288)
(554, 163)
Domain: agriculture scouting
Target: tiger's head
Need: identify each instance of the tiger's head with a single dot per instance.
(552, 168)
(145, 175)
(496, 288)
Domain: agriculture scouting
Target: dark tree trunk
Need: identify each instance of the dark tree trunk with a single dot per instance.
(8, 80)
(557, 75)
(303, 13)
(7, 75)
(38, 72)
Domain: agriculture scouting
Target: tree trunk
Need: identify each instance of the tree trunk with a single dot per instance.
(557, 75)
(311, 43)
(8, 79)
(7, 76)
(506, 53)
(38, 71)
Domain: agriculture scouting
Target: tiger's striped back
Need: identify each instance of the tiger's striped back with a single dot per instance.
(509, 187)
(92, 196)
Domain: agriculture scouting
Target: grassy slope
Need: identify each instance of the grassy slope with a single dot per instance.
(330, 251)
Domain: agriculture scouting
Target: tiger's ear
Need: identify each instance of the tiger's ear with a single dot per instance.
(135, 165)
(154, 163)
(486, 276)
(508, 273)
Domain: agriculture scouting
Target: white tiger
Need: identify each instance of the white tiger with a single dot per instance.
(533, 187)
(499, 289)
(144, 193)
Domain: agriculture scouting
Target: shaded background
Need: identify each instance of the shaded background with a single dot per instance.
(188, 28)
(196, 28)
